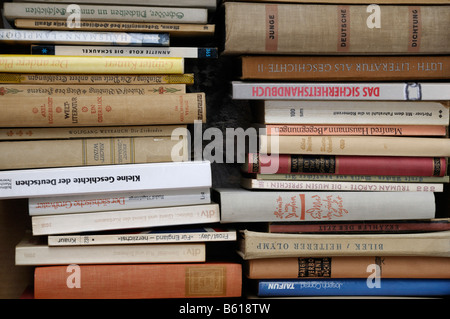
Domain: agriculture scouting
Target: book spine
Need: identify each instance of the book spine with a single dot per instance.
(353, 178)
(348, 165)
(341, 186)
(47, 182)
(356, 145)
(267, 28)
(162, 52)
(359, 130)
(353, 112)
(125, 219)
(116, 79)
(17, 36)
(298, 206)
(90, 65)
(106, 13)
(210, 4)
(348, 267)
(395, 91)
(353, 287)
(349, 1)
(104, 110)
(345, 68)
(173, 29)
(110, 202)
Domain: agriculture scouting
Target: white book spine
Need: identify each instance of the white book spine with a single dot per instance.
(356, 112)
(125, 219)
(120, 201)
(47, 182)
(382, 91)
(299, 206)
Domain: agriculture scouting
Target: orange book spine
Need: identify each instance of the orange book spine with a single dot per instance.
(138, 281)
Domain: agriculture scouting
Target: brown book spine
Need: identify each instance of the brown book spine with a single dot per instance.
(345, 68)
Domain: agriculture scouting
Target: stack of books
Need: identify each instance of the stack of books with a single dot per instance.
(95, 134)
(351, 101)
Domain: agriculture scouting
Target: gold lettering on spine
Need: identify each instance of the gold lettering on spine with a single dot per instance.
(271, 27)
(343, 15)
(414, 29)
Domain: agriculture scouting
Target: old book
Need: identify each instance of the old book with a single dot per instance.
(34, 251)
(103, 110)
(210, 4)
(159, 235)
(356, 145)
(340, 1)
(16, 63)
(257, 184)
(167, 52)
(267, 28)
(206, 280)
(353, 112)
(345, 68)
(125, 219)
(118, 201)
(28, 37)
(87, 152)
(348, 267)
(13, 10)
(255, 245)
(48, 182)
(175, 30)
(242, 205)
(370, 91)
(116, 79)
(347, 165)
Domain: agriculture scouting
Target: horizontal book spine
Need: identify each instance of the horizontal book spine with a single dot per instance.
(90, 65)
(356, 145)
(348, 267)
(210, 4)
(353, 287)
(345, 68)
(109, 202)
(341, 91)
(46, 182)
(352, 1)
(268, 28)
(125, 219)
(162, 52)
(308, 206)
(66, 78)
(106, 13)
(348, 165)
(103, 110)
(359, 130)
(173, 29)
(341, 186)
(354, 112)
(353, 178)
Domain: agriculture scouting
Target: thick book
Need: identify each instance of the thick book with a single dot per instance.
(102, 110)
(35, 251)
(348, 267)
(175, 30)
(361, 91)
(353, 112)
(345, 68)
(28, 37)
(255, 245)
(353, 287)
(241, 205)
(125, 219)
(346, 165)
(45, 182)
(14, 10)
(118, 201)
(92, 78)
(268, 28)
(168, 52)
(150, 236)
(355, 227)
(356, 145)
(206, 280)
(16, 63)
(92, 151)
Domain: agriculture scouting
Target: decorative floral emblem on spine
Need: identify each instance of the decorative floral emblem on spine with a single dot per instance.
(4, 91)
(162, 90)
